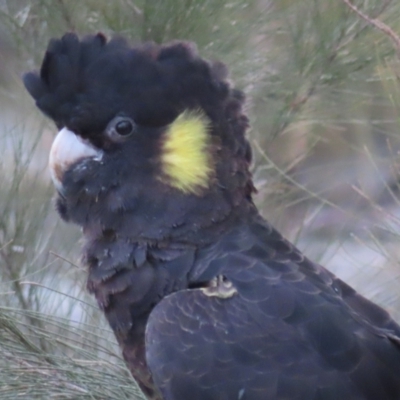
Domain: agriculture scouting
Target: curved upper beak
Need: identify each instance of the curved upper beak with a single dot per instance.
(66, 150)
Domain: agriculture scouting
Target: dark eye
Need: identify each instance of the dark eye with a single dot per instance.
(120, 128)
(124, 127)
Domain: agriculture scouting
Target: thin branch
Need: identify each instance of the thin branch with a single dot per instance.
(377, 24)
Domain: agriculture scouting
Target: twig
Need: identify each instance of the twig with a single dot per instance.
(66, 260)
(377, 24)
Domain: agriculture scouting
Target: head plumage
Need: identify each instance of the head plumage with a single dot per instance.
(84, 82)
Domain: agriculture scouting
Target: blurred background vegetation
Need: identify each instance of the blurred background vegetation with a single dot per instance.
(324, 100)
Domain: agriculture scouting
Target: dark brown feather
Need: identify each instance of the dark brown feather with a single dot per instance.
(206, 299)
(292, 330)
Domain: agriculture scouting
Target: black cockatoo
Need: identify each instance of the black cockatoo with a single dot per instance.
(207, 300)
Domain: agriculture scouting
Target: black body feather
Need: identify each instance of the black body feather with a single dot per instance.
(286, 329)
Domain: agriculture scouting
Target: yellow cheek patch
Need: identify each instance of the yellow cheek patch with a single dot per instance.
(186, 153)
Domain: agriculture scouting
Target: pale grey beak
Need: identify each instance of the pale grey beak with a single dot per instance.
(66, 150)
